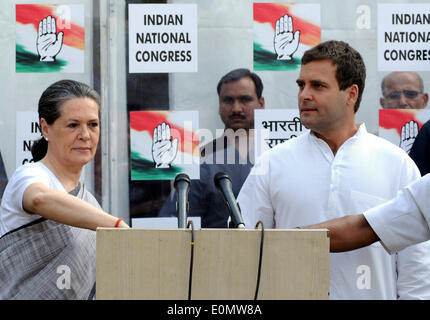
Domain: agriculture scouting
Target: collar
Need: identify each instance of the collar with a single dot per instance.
(324, 147)
(360, 132)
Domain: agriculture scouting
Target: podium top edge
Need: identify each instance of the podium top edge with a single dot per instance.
(212, 230)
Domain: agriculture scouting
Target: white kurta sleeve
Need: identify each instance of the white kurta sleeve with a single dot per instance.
(400, 223)
(413, 262)
(254, 196)
(404, 220)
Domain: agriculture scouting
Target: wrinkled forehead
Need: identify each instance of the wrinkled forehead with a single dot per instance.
(402, 81)
(80, 107)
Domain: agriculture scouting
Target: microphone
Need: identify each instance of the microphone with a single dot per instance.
(182, 186)
(223, 183)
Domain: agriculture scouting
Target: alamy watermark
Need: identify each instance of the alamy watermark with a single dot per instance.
(231, 147)
(364, 280)
(64, 280)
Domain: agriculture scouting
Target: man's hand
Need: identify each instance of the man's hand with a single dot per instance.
(408, 135)
(163, 148)
(48, 43)
(286, 43)
(348, 232)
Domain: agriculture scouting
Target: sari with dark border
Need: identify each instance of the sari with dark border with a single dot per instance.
(47, 260)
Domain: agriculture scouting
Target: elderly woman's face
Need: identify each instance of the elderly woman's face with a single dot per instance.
(74, 136)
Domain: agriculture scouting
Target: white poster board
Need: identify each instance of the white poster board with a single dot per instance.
(162, 222)
(404, 37)
(274, 126)
(27, 131)
(162, 38)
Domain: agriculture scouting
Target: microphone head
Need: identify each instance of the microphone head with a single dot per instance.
(181, 177)
(219, 176)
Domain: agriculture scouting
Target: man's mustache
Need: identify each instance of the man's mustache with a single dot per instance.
(237, 116)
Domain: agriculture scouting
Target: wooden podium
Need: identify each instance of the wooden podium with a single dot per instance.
(154, 264)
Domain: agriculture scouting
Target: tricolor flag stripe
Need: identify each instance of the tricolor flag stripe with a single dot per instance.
(33, 14)
(266, 12)
(147, 121)
(396, 118)
(69, 55)
(305, 19)
(179, 144)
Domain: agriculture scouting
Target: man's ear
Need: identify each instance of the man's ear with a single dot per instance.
(426, 99)
(382, 102)
(352, 95)
(262, 102)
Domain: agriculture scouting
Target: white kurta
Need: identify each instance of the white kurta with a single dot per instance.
(301, 182)
(404, 220)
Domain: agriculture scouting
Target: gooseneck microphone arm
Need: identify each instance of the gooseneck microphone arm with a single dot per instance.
(182, 186)
(223, 183)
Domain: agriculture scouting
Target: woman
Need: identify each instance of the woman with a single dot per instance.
(47, 246)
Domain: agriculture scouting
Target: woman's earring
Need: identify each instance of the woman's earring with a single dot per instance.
(45, 138)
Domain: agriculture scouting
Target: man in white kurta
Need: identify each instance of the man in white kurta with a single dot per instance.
(404, 220)
(306, 184)
(397, 224)
(335, 170)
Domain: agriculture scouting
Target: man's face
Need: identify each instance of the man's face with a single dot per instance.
(323, 106)
(237, 101)
(403, 91)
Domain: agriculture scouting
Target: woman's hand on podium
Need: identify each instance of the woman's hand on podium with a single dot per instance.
(123, 225)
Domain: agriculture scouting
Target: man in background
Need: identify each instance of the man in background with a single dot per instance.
(240, 93)
(403, 90)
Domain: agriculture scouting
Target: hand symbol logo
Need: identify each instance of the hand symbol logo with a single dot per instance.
(286, 43)
(48, 43)
(163, 148)
(408, 135)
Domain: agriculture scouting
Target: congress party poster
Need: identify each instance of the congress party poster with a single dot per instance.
(282, 33)
(401, 126)
(50, 38)
(164, 144)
